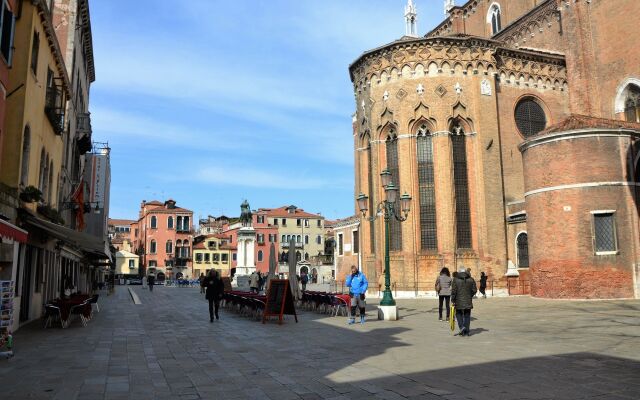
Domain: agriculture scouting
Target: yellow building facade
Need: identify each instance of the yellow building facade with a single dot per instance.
(212, 252)
(31, 168)
(35, 105)
(127, 263)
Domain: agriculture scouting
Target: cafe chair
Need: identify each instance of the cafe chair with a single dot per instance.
(79, 310)
(51, 314)
(94, 301)
(340, 306)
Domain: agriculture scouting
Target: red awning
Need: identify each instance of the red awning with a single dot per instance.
(10, 231)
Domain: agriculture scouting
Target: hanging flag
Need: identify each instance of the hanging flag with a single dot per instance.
(78, 198)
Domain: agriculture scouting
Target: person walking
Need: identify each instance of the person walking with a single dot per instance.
(357, 284)
(483, 284)
(215, 288)
(151, 280)
(463, 288)
(254, 282)
(261, 280)
(304, 279)
(443, 288)
(201, 281)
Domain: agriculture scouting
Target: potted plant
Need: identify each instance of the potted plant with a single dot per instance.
(31, 194)
(50, 213)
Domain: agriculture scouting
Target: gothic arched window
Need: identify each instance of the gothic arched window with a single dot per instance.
(170, 222)
(154, 222)
(152, 247)
(41, 171)
(426, 189)
(45, 179)
(169, 247)
(26, 149)
(461, 188)
(496, 20)
(370, 179)
(50, 184)
(522, 242)
(632, 104)
(395, 229)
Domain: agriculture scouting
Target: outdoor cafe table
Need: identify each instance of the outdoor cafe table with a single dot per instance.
(65, 305)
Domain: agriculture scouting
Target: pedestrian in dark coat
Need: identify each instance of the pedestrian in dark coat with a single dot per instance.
(483, 284)
(201, 282)
(215, 289)
(463, 288)
(443, 287)
(151, 280)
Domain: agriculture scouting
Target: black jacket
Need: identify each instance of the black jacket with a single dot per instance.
(463, 288)
(214, 286)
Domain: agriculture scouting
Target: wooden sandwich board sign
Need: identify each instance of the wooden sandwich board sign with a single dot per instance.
(226, 282)
(279, 300)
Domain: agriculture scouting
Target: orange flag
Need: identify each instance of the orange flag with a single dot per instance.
(78, 197)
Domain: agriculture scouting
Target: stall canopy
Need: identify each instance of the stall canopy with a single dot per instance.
(89, 244)
(10, 231)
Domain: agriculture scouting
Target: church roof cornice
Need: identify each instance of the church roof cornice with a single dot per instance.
(531, 55)
(537, 14)
(577, 126)
(495, 52)
(439, 41)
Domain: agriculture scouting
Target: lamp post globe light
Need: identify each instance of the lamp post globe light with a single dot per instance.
(391, 208)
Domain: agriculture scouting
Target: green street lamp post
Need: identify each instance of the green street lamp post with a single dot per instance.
(389, 208)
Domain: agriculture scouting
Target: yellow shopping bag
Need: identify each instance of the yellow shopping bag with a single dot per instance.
(452, 318)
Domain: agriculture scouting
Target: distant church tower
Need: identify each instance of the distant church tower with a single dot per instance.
(448, 5)
(411, 19)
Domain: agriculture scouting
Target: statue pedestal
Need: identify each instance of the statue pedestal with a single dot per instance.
(388, 313)
(246, 251)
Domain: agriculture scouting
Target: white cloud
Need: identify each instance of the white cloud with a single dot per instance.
(109, 123)
(257, 177)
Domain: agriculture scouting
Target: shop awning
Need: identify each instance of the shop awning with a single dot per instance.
(11, 231)
(89, 244)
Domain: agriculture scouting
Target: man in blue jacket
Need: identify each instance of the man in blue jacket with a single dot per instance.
(357, 284)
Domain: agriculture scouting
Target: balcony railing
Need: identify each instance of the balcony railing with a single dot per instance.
(83, 124)
(54, 108)
(285, 245)
(324, 259)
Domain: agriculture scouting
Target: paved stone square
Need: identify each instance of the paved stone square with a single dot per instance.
(521, 348)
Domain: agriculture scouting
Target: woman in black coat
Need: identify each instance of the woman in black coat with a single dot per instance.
(215, 288)
(483, 284)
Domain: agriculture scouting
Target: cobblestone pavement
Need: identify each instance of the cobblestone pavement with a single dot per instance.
(521, 348)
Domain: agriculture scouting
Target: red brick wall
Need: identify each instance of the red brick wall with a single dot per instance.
(606, 52)
(475, 15)
(471, 17)
(561, 250)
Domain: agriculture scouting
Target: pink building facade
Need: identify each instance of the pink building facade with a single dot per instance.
(265, 235)
(163, 238)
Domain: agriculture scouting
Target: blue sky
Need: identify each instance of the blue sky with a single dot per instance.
(210, 102)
